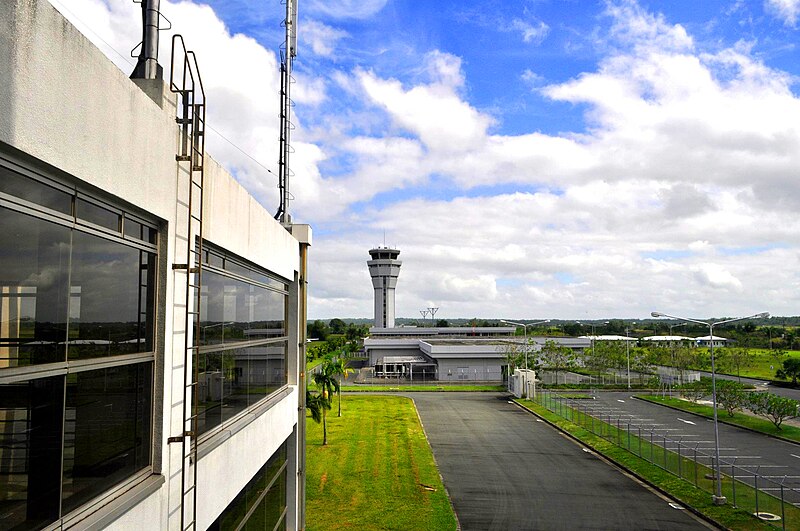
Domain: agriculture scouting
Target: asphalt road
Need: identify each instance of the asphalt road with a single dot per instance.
(752, 452)
(504, 470)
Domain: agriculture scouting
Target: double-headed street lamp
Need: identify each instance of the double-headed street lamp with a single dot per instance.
(718, 498)
(525, 333)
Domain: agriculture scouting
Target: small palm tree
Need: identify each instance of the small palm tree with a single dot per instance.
(314, 405)
(326, 382)
(340, 369)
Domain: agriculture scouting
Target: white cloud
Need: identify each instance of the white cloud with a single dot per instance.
(344, 9)
(531, 32)
(786, 10)
(678, 196)
(322, 38)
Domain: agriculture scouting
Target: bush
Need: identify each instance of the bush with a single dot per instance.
(773, 407)
(731, 396)
(695, 391)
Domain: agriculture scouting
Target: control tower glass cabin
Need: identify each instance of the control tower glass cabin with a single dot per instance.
(384, 268)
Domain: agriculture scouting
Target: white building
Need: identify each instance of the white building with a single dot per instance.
(119, 407)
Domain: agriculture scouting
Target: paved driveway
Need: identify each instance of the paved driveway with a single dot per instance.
(506, 471)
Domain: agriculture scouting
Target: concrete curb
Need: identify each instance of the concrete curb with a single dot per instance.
(719, 419)
(623, 469)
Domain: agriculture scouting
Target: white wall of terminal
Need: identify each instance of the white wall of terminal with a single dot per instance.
(63, 102)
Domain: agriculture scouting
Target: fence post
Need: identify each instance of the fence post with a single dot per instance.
(680, 459)
(640, 441)
(733, 480)
(664, 442)
(783, 510)
(629, 435)
(755, 477)
(695, 463)
(651, 446)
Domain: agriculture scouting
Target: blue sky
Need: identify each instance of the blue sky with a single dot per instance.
(530, 159)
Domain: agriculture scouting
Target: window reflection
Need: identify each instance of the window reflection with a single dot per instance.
(231, 310)
(106, 429)
(34, 261)
(31, 417)
(264, 498)
(232, 380)
(111, 299)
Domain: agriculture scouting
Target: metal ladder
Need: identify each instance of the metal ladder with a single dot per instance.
(191, 117)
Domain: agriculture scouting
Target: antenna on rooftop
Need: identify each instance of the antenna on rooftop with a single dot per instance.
(288, 53)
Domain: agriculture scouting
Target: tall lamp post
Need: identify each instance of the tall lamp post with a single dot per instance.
(717, 498)
(628, 355)
(525, 333)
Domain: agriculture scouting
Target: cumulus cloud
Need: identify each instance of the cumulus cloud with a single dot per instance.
(322, 38)
(786, 10)
(678, 195)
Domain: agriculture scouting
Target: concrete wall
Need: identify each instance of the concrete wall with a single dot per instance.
(63, 102)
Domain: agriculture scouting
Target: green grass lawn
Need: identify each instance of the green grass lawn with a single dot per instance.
(377, 471)
(762, 364)
(739, 418)
(389, 388)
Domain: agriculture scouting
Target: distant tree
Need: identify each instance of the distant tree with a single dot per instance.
(514, 355)
(337, 326)
(318, 330)
(791, 369)
(557, 357)
(773, 407)
(734, 359)
(572, 329)
(442, 323)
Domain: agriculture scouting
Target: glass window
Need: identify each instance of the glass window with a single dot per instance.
(260, 505)
(232, 380)
(111, 307)
(34, 273)
(139, 231)
(233, 310)
(93, 213)
(63, 292)
(33, 191)
(31, 419)
(107, 429)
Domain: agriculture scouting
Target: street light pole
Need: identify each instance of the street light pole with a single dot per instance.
(718, 498)
(525, 334)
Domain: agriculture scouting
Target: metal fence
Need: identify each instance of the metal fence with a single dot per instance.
(773, 500)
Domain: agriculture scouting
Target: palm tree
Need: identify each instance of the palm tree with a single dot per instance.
(314, 405)
(340, 369)
(326, 382)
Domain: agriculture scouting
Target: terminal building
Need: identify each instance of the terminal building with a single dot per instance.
(152, 312)
(445, 354)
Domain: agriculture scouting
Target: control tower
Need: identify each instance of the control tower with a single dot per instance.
(384, 268)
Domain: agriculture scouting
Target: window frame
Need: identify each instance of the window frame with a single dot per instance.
(44, 174)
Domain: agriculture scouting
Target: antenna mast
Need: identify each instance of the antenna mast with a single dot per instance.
(288, 53)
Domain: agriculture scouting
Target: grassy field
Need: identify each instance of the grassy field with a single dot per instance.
(762, 364)
(389, 388)
(727, 516)
(377, 471)
(739, 418)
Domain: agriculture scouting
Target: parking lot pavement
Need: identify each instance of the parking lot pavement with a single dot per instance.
(771, 458)
(506, 470)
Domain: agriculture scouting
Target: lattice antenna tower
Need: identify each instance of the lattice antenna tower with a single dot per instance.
(288, 52)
